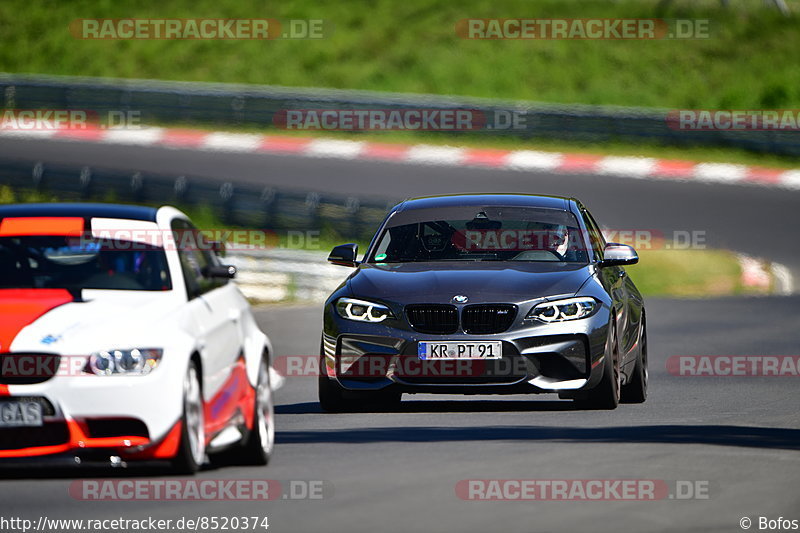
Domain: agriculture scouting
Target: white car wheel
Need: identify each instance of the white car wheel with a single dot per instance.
(195, 421)
(265, 409)
(261, 439)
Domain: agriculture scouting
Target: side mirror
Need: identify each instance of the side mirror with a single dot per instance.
(344, 255)
(220, 271)
(619, 254)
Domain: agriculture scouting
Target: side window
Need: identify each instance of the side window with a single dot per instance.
(595, 235)
(383, 245)
(597, 230)
(194, 257)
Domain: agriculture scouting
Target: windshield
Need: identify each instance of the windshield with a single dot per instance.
(40, 262)
(487, 234)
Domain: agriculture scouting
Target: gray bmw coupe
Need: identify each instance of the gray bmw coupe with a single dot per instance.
(485, 294)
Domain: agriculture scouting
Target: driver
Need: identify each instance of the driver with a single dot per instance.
(559, 240)
(551, 237)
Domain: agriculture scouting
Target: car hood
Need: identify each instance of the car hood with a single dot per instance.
(100, 320)
(483, 281)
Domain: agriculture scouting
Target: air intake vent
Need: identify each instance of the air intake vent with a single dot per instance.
(486, 319)
(50, 434)
(437, 319)
(27, 368)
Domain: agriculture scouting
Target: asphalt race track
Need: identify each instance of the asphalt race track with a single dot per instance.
(757, 220)
(737, 439)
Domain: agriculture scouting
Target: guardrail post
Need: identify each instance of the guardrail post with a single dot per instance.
(37, 175)
(353, 208)
(137, 187)
(312, 203)
(226, 192)
(269, 201)
(181, 189)
(85, 180)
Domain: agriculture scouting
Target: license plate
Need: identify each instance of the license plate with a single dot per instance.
(18, 414)
(460, 350)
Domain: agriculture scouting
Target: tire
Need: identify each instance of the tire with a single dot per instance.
(390, 399)
(192, 448)
(257, 449)
(606, 394)
(328, 393)
(636, 390)
(333, 399)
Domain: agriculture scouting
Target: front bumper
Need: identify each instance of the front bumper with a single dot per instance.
(560, 357)
(130, 416)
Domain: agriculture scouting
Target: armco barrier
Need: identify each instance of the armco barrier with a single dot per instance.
(265, 274)
(271, 275)
(229, 104)
(266, 208)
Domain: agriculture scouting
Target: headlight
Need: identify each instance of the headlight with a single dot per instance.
(362, 311)
(561, 310)
(135, 362)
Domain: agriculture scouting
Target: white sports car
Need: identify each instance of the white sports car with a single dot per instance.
(123, 338)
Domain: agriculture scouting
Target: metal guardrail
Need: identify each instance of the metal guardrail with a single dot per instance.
(230, 104)
(266, 274)
(265, 208)
(272, 275)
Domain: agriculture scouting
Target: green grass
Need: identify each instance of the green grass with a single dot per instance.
(11, 196)
(748, 62)
(411, 46)
(687, 273)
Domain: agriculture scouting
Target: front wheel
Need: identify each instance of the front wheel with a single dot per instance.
(192, 448)
(334, 399)
(606, 394)
(636, 390)
(331, 399)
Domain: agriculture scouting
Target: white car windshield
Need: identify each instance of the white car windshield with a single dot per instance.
(75, 263)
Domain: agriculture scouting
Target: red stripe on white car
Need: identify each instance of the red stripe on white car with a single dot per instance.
(235, 395)
(21, 307)
(32, 226)
(78, 439)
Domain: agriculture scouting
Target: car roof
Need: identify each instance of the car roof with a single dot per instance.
(128, 212)
(499, 199)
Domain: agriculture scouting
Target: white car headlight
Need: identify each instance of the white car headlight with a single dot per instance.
(134, 362)
(561, 310)
(362, 311)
